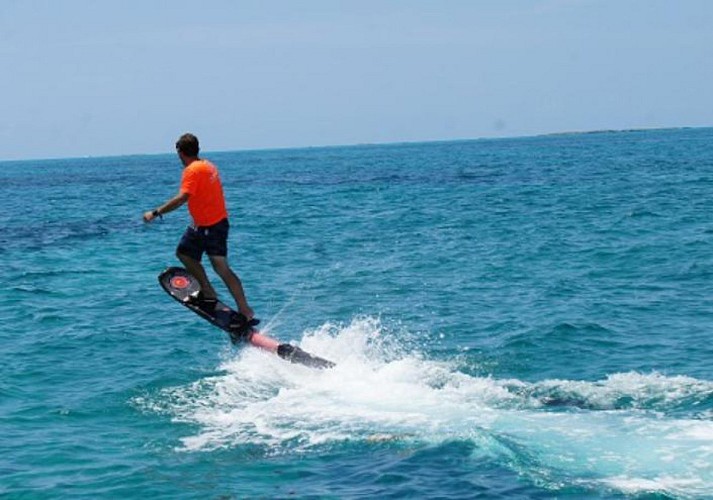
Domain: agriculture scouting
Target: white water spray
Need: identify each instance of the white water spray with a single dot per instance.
(554, 432)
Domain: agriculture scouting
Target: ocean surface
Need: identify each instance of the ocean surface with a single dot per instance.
(511, 318)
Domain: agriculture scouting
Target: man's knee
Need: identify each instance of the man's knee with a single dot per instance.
(188, 261)
(183, 257)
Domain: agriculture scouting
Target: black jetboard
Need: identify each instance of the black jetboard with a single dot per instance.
(184, 288)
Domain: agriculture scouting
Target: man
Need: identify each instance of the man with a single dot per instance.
(201, 188)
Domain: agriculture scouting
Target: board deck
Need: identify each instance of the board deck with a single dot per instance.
(181, 285)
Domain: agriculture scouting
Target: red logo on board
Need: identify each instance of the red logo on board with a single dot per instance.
(180, 282)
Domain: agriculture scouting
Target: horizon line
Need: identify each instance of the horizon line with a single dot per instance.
(369, 144)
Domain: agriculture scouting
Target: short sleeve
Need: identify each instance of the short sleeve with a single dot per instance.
(188, 181)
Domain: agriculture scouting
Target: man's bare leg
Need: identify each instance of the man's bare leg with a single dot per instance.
(195, 268)
(231, 280)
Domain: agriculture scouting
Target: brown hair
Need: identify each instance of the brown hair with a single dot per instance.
(188, 145)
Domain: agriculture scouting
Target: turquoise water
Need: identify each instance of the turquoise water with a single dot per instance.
(514, 318)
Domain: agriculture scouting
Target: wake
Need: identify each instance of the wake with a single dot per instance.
(630, 432)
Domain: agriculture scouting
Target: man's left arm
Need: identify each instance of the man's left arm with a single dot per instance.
(169, 206)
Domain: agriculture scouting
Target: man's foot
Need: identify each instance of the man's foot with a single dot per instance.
(238, 321)
(247, 311)
(240, 326)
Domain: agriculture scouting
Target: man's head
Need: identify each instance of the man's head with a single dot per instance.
(187, 145)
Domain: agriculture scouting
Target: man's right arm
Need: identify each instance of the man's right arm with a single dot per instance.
(169, 206)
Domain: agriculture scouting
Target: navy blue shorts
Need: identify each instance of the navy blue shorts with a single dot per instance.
(212, 240)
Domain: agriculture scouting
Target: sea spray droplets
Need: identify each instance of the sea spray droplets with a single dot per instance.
(263, 400)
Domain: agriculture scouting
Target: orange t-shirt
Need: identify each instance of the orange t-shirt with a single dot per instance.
(206, 203)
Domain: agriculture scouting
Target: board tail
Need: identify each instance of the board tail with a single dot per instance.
(288, 352)
(294, 354)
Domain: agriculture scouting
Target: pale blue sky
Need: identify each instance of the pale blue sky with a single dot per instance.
(127, 77)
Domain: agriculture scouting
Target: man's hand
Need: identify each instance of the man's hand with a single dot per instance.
(169, 206)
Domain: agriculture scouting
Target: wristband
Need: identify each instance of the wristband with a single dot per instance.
(156, 213)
